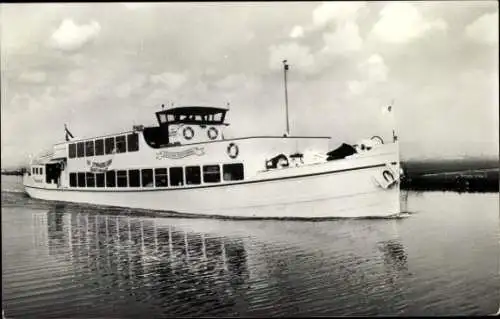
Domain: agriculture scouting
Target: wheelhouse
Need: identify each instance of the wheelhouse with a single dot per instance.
(185, 125)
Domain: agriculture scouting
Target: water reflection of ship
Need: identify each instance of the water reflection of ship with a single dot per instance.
(141, 254)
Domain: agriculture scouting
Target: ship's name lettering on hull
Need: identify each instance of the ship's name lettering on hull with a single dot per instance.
(97, 167)
(199, 151)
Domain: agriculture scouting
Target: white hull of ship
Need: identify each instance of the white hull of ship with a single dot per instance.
(336, 189)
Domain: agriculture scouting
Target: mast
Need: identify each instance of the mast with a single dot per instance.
(285, 68)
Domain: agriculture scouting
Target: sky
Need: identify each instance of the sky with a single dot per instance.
(103, 67)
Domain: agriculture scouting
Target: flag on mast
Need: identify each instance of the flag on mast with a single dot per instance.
(68, 133)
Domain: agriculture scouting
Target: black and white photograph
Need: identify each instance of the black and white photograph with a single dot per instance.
(250, 159)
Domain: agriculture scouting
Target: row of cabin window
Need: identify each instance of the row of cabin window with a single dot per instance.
(159, 177)
(37, 170)
(121, 143)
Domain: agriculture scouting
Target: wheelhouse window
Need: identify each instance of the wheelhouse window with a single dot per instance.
(72, 150)
(99, 179)
(121, 144)
(161, 177)
(99, 147)
(176, 176)
(211, 174)
(89, 148)
(147, 177)
(109, 144)
(33, 170)
(121, 178)
(133, 142)
(81, 179)
(193, 175)
(80, 149)
(110, 179)
(134, 179)
(90, 179)
(233, 172)
(163, 118)
(41, 170)
(72, 179)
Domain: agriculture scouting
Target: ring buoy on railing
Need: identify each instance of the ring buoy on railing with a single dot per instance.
(212, 133)
(388, 176)
(376, 137)
(188, 133)
(232, 150)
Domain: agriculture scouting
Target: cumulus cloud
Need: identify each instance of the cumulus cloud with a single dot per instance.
(402, 22)
(336, 11)
(70, 36)
(135, 5)
(300, 55)
(36, 77)
(172, 81)
(484, 29)
(126, 89)
(373, 70)
(344, 40)
(297, 32)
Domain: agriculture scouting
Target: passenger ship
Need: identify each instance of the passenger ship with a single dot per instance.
(185, 164)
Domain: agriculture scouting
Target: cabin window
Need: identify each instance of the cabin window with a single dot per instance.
(134, 179)
(99, 147)
(161, 177)
(121, 144)
(99, 179)
(81, 179)
(163, 118)
(89, 148)
(193, 175)
(90, 179)
(170, 117)
(72, 150)
(121, 178)
(33, 170)
(233, 172)
(147, 178)
(41, 170)
(109, 144)
(110, 179)
(211, 174)
(176, 176)
(133, 142)
(218, 117)
(72, 179)
(80, 149)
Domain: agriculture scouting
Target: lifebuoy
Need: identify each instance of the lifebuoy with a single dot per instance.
(232, 150)
(188, 133)
(378, 138)
(388, 176)
(212, 133)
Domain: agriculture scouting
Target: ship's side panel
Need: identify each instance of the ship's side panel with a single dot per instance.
(346, 188)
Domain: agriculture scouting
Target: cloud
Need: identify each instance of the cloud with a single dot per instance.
(402, 22)
(344, 40)
(135, 83)
(297, 32)
(484, 29)
(71, 37)
(36, 77)
(135, 5)
(336, 11)
(373, 70)
(173, 81)
(298, 54)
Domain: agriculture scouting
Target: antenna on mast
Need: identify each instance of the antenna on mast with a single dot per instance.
(285, 69)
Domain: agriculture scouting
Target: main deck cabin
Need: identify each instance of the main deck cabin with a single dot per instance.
(187, 149)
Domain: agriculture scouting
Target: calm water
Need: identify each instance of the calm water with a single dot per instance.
(71, 261)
